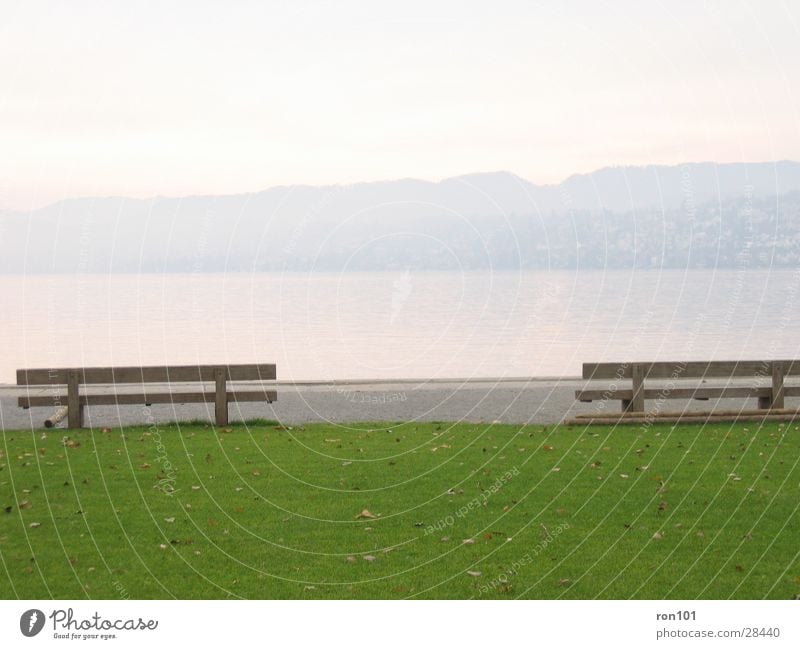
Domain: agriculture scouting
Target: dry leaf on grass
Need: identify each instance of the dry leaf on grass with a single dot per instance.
(366, 513)
(474, 573)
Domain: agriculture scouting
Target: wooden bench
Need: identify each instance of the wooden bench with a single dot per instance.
(763, 380)
(122, 377)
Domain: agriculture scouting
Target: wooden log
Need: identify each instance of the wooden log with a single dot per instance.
(707, 419)
(56, 417)
(688, 413)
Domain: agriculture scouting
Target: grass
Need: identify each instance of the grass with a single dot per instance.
(263, 511)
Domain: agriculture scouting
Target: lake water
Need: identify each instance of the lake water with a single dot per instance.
(396, 325)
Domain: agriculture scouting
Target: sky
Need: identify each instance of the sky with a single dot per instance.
(174, 98)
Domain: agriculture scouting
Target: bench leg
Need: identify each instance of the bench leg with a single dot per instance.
(221, 396)
(777, 386)
(637, 379)
(74, 407)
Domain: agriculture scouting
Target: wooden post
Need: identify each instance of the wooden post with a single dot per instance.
(777, 386)
(75, 409)
(637, 378)
(221, 396)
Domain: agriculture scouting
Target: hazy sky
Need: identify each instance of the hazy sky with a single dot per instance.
(169, 97)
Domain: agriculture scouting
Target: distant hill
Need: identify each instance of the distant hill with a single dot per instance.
(695, 214)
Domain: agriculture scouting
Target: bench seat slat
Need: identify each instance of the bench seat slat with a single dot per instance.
(140, 399)
(154, 374)
(722, 392)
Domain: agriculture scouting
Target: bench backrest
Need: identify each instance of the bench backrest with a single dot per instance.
(690, 369)
(155, 374)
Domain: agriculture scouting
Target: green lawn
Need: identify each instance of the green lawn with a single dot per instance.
(460, 511)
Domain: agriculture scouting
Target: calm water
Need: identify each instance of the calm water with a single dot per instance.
(390, 325)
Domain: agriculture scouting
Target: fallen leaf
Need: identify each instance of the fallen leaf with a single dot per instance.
(468, 541)
(171, 519)
(658, 536)
(24, 504)
(350, 559)
(474, 573)
(662, 505)
(369, 557)
(144, 465)
(163, 546)
(35, 525)
(556, 469)
(366, 513)
(564, 582)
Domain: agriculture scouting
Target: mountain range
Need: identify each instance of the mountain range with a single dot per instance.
(655, 216)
